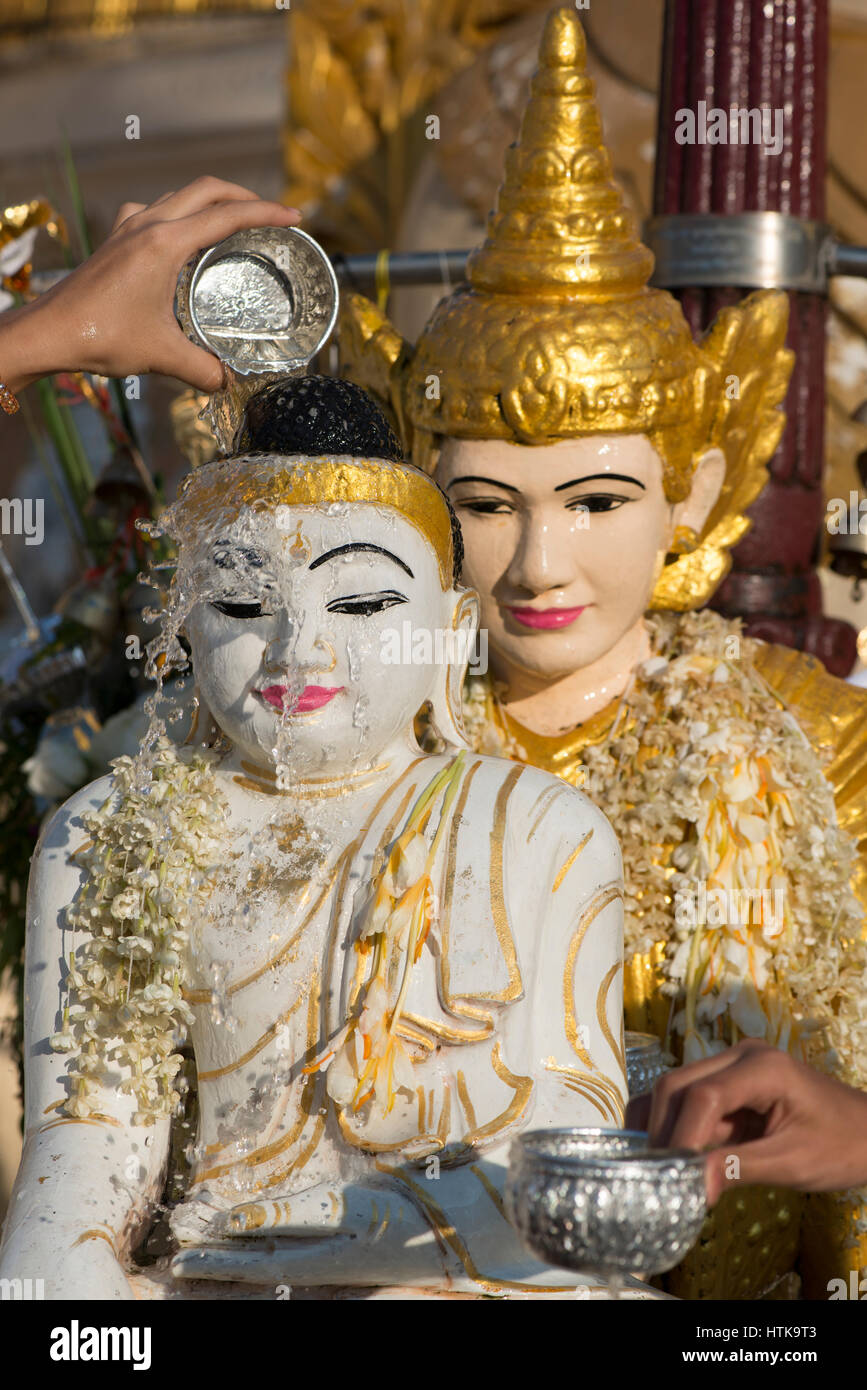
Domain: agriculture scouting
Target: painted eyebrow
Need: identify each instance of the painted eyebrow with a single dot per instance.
(492, 482)
(361, 545)
(606, 477)
(227, 549)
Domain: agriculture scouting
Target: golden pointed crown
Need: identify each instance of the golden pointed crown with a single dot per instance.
(558, 333)
(561, 231)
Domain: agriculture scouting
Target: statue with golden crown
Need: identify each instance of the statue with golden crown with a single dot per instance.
(601, 463)
(388, 961)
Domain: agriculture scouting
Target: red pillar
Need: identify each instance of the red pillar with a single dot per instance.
(748, 54)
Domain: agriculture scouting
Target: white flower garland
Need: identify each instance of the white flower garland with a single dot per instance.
(154, 846)
(702, 757)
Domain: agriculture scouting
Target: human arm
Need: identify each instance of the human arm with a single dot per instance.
(784, 1122)
(114, 314)
(85, 1184)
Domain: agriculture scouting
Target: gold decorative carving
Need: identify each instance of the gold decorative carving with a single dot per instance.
(268, 1036)
(444, 1229)
(106, 18)
(23, 217)
(95, 1119)
(356, 73)
(96, 1234)
(616, 1045)
(747, 1244)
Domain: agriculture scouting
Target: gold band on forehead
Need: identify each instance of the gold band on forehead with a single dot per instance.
(218, 492)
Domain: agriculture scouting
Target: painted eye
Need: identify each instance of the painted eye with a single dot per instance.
(600, 503)
(484, 506)
(365, 605)
(238, 610)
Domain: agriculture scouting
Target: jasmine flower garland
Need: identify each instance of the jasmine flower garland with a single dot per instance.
(154, 847)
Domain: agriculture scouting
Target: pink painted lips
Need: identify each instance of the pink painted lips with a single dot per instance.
(312, 697)
(546, 618)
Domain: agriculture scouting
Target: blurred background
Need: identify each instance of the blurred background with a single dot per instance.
(322, 103)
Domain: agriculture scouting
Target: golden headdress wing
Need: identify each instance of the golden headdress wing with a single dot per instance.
(746, 369)
(375, 356)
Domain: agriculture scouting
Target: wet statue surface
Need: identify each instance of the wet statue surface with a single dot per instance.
(388, 962)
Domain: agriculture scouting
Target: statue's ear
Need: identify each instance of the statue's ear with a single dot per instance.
(205, 732)
(692, 513)
(445, 715)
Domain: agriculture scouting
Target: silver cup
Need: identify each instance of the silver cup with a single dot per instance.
(645, 1062)
(264, 300)
(603, 1201)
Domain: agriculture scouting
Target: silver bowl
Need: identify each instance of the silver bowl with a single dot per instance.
(264, 300)
(603, 1200)
(645, 1062)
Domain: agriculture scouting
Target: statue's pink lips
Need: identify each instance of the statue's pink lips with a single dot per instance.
(311, 697)
(546, 617)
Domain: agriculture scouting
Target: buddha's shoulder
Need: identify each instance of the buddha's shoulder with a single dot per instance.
(54, 873)
(546, 807)
(69, 817)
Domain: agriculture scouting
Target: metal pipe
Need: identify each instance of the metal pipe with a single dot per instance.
(847, 260)
(447, 268)
(359, 272)
(402, 268)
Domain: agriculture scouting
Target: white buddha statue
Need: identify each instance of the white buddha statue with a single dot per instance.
(388, 962)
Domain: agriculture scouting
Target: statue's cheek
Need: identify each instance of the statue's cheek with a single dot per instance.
(226, 667)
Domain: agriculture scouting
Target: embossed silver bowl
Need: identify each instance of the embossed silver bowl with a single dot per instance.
(264, 300)
(645, 1062)
(603, 1200)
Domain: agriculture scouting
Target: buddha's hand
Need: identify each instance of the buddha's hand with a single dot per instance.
(114, 315)
(328, 1234)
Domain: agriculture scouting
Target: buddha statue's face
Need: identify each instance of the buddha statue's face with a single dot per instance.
(287, 640)
(564, 541)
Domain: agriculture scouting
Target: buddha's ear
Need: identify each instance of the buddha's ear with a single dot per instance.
(707, 481)
(463, 609)
(204, 729)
